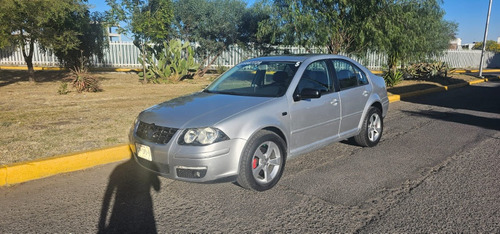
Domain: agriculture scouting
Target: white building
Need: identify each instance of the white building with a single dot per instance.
(455, 44)
(468, 46)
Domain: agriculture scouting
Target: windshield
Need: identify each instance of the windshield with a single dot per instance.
(256, 78)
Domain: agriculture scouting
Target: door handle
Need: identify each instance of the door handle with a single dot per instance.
(365, 93)
(334, 102)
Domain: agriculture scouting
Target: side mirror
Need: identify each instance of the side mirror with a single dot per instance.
(307, 94)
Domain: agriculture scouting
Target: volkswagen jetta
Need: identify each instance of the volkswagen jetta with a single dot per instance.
(248, 122)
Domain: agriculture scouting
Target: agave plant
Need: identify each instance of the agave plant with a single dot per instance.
(425, 71)
(393, 78)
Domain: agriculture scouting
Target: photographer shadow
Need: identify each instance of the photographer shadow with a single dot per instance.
(127, 205)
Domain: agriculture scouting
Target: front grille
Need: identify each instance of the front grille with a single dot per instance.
(156, 134)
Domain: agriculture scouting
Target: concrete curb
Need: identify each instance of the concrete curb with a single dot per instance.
(475, 71)
(398, 97)
(32, 170)
(37, 169)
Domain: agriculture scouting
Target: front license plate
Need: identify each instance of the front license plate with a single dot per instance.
(144, 151)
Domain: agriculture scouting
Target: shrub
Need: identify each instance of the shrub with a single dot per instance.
(427, 71)
(63, 89)
(83, 81)
(393, 78)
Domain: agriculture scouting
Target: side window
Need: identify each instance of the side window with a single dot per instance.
(361, 76)
(316, 77)
(348, 75)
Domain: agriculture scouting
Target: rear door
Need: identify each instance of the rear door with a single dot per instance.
(354, 93)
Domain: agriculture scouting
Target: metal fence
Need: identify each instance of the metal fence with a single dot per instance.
(125, 54)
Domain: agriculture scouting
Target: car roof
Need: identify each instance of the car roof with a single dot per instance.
(296, 57)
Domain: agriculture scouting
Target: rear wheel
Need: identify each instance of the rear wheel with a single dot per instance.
(372, 128)
(262, 162)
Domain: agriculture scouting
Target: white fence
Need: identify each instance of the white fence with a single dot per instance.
(125, 54)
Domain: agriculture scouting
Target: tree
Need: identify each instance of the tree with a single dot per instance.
(148, 21)
(258, 13)
(409, 30)
(92, 39)
(491, 45)
(213, 24)
(403, 29)
(43, 21)
(4, 29)
(338, 25)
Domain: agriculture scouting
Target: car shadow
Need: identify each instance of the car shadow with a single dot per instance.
(350, 141)
(127, 205)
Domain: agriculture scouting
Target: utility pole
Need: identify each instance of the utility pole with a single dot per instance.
(484, 40)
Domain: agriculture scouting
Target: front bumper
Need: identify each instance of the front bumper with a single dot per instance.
(218, 162)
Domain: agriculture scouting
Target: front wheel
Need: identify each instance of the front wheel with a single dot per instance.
(262, 162)
(372, 128)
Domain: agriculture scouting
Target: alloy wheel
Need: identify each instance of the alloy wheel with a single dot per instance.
(374, 127)
(266, 162)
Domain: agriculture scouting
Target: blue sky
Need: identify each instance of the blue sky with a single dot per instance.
(470, 16)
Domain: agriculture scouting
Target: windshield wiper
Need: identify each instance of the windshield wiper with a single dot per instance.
(221, 92)
(229, 93)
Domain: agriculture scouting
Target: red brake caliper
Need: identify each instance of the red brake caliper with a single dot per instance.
(255, 163)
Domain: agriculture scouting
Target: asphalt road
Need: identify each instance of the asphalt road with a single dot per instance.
(435, 170)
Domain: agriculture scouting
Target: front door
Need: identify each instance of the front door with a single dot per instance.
(315, 121)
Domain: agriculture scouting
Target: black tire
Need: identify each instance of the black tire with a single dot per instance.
(372, 128)
(262, 161)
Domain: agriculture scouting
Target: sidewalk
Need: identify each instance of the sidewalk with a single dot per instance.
(32, 170)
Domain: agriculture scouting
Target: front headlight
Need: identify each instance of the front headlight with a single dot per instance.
(202, 136)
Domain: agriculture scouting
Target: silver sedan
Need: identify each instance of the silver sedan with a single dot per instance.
(247, 123)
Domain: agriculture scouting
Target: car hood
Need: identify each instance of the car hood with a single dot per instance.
(199, 110)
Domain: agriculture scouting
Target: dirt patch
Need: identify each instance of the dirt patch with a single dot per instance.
(37, 122)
